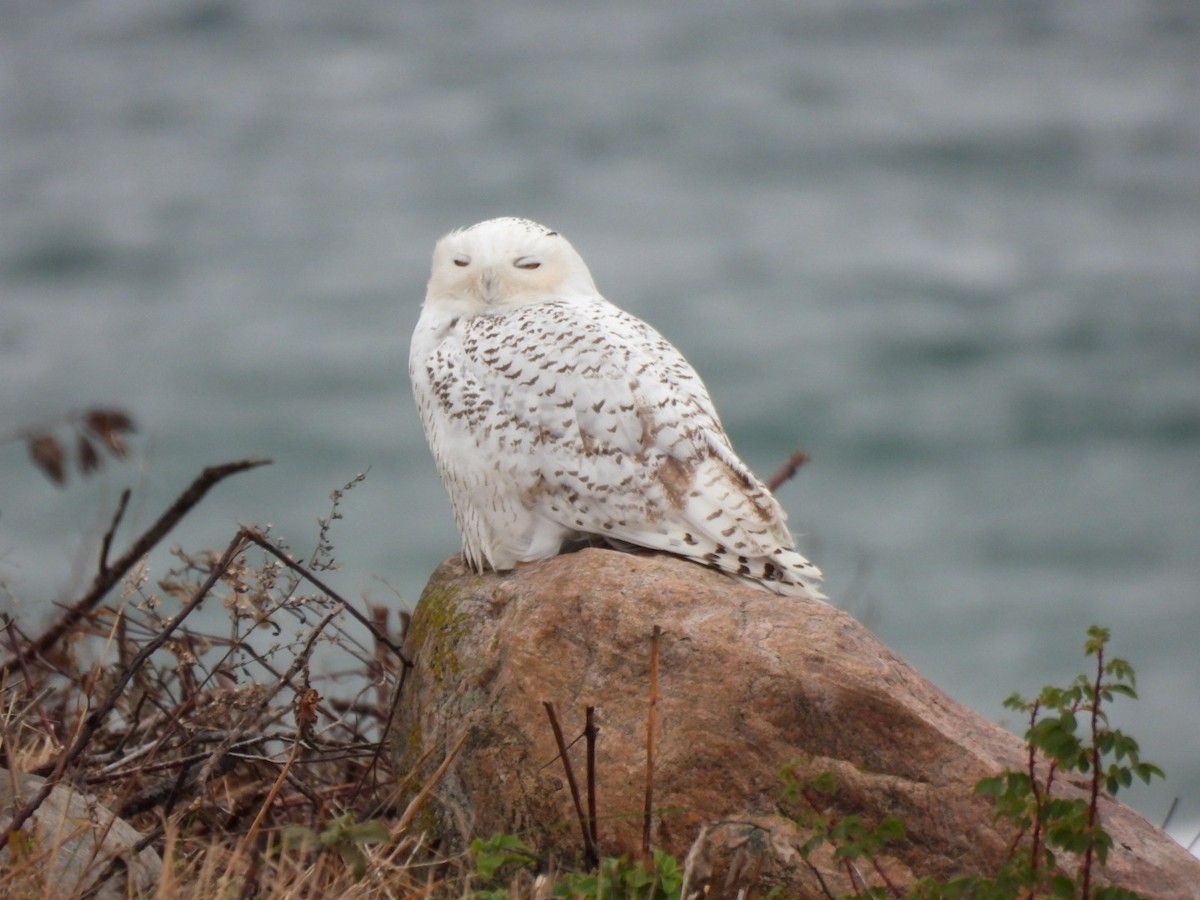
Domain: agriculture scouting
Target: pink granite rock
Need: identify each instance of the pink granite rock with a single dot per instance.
(748, 682)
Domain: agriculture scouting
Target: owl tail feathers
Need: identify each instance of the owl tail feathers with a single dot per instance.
(784, 572)
(805, 590)
(780, 571)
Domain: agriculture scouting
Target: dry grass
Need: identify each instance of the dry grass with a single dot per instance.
(235, 711)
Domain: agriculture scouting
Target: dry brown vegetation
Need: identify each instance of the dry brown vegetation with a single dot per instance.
(234, 711)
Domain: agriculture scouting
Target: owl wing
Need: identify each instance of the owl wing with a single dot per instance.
(609, 431)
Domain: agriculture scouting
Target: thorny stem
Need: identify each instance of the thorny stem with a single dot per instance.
(1035, 845)
(1093, 806)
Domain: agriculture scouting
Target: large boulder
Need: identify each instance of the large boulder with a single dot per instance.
(747, 683)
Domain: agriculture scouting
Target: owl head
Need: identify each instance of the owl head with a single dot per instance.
(501, 264)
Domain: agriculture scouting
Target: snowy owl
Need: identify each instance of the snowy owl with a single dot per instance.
(555, 417)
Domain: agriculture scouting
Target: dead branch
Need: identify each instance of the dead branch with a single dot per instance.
(589, 730)
(427, 788)
(589, 846)
(106, 543)
(217, 757)
(787, 470)
(97, 716)
(380, 635)
(651, 722)
(109, 576)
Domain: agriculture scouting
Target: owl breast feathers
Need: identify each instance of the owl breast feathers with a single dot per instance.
(554, 416)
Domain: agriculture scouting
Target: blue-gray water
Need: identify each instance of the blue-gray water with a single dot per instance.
(950, 249)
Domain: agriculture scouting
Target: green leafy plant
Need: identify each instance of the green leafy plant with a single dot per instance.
(615, 878)
(1068, 731)
(499, 854)
(852, 838)
(619, 878)
(343, 836)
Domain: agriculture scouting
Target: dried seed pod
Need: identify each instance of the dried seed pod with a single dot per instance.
(306, 711)
(109, 425)
(86, 457)
(103, 420)
(48, 455)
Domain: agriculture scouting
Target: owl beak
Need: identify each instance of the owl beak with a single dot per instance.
(489, 287)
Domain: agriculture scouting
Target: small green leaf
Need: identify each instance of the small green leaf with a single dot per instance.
(1062, 886)
(1146, 771)
(810, 845)
(497, 851)
(1017, 702)
(354, 859)
(297, 837)
(891, 829)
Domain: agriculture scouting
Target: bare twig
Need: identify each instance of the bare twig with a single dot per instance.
(380, 665)
(109, 576)
(821, 881)
(427, 788)
(252, 832)
(120, 863)
(589, 846)
(1170, 814)
(589, 730)
(380, 635)
(787, 470)
(97, 716)
(651, 722)
(106, 544)
(299, 663)
(385, 730)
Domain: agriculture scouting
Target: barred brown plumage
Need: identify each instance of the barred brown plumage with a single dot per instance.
(554, 416)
